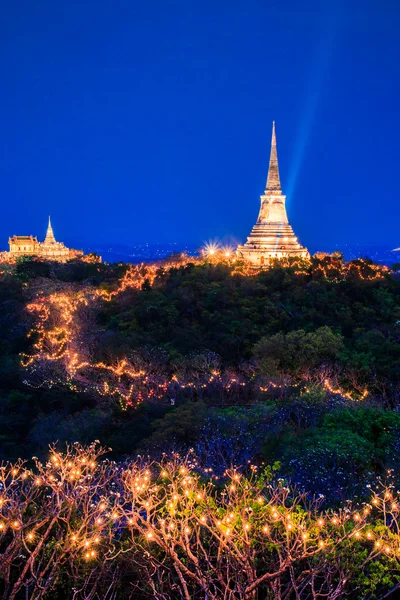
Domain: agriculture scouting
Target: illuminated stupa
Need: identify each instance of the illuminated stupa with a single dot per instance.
(50, 249)
(272, 236)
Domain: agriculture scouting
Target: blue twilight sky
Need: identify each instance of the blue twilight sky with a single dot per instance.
(132, 121)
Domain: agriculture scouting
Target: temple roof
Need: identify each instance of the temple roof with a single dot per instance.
(273, 180)
(24, 238)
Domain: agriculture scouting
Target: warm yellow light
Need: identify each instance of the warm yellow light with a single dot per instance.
(211, 249)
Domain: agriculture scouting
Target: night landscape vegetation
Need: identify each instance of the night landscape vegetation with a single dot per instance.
(253, 417)
(190, 420)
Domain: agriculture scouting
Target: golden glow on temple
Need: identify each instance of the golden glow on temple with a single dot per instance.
(272, 237)
(50, 249)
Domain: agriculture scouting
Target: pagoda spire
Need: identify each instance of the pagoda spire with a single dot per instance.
(49, 239)
(273, 180)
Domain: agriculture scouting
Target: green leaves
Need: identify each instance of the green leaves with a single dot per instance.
(298, 351)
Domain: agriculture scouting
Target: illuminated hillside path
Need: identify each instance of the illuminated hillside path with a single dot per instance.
(61, 356)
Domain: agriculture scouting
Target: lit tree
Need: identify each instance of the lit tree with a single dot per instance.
(172, 530)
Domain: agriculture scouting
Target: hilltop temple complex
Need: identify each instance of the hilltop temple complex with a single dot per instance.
(272, 236)
(50, 249)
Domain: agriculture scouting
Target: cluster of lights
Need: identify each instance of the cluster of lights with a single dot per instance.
(218, 253)
(57, 333)
(169, 503)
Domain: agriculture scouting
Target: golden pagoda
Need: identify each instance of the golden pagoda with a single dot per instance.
(50, 249)
(272, 236)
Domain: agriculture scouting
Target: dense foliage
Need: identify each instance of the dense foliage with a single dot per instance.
(313, 351)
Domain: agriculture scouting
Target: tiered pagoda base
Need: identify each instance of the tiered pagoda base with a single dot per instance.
(269, 241)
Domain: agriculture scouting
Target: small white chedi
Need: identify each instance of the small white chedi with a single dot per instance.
(272, 236)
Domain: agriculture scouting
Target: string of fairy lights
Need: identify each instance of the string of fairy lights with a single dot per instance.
(171, 501)
(58, 334)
